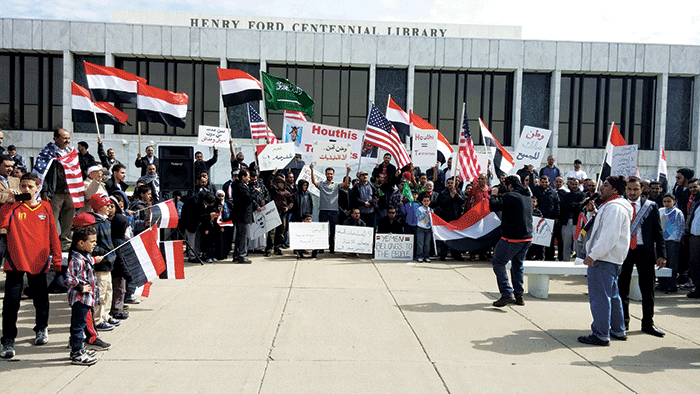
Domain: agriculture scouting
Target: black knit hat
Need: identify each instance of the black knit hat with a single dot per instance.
(686, 172)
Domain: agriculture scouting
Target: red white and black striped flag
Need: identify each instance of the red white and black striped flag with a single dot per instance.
(614, 139)
(502, 160)
(238, 87)
(143, 257)
(112, 84)
(381, 133)
(174, 256)
(165, 214)
(161, 106)
(84, 110)
(399, 119)
(469, 169)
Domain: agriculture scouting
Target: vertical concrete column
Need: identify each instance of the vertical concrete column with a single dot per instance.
(263, 67)
(372, 82)
(517, 106)
(554, 104)
(411, 82)
(67, 78)
(695, 123)
(660, 128)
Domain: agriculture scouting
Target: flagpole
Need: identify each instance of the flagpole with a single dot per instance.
(455, 167)
(263, 114)
(362, 146)
(96, 123)
(139, 128)
(605, 154)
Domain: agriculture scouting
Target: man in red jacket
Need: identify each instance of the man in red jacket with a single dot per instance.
(32, 248)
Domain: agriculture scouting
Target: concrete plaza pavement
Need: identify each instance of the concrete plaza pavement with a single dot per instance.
(335, 325)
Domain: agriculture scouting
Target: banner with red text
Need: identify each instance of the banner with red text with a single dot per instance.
(304, 134)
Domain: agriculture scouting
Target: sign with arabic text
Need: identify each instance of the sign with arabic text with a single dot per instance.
(305, 174)
(542, 231)
(393, 247)
(624, 160)
(265, 220)
(308, 235)
(533, 142)
(304, 134)
(331, 154)
(275, 156)
(214, 136)
(354, 239)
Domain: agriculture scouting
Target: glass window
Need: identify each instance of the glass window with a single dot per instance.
(590, 103)
(679, 113)
(438, 98)
(535, 100)
(80, 78)
(31, 93)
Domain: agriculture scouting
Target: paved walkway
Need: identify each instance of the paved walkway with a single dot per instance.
(334, 325)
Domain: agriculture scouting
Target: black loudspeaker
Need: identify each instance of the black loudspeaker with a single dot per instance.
(176, 167)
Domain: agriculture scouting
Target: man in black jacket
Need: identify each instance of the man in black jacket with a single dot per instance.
(646, 236)
(84, 157)
(143, 162)
(548, 201)
(516, 237)
(570, 206)
(450, 206)
(116, 182)
(241, 215)
(385, 168)
(201, 166)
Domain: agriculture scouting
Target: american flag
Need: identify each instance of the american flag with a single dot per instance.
(258, 127)
(381, 133)
(294, 115)
(469, 169)
(74, 177)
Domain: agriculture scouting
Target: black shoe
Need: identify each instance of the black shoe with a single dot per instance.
(503, 301)
(314, 254)
(123, 315)
(98, 344)
(672, 290)
(278, 252)
(660, 288)
(268, 253)
(694, 294)
(442, 258)
(243, 260)
(622, 337)
(519, 300)
(651, 330)
(591, 339)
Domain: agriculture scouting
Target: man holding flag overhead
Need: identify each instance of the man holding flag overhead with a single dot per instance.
(502, 160)
(469, 169)
(381, 133)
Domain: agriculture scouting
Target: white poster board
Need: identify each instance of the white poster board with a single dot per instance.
(424, 148)
(265, 220)
(304, 134)
(542, 231)
(331, 154)
(354, 239)
(305, 174)
(214, 136)
(624, 160)
(276, 156)
(482, 159)
(531, 147)
(312, 235)
(393, 247)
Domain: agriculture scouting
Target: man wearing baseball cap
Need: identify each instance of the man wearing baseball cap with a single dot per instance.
(100, 204)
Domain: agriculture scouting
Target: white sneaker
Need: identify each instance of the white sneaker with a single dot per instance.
(420, 260)
(8, 350)
(42, 337)
(427, 259)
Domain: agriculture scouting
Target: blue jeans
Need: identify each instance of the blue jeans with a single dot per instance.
(424, 236)
(604, 297)
(78, 324)
(515, 253)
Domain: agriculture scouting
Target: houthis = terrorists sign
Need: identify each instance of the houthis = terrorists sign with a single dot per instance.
(393, 247)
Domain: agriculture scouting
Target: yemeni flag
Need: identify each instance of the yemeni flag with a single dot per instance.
(502, 160)
(475, 230)
(399, 118)
(238, 87)
(165, 214)
(614, 139)
(174, 256)
(282, 94)
(84, 110)
(143, 291)
(662, 174)
(142, 256)
(112, 84)
(445, 150)
(161, 106)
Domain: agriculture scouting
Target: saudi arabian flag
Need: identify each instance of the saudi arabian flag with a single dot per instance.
(406, 192)
(282, 94)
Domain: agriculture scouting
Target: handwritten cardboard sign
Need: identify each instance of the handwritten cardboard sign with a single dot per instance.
(424, 149)
(305, 174)
(275, 156)
(214, 136)
(265, 220)
(354, 239)
(624, 160)
(393, 247)
(533, 142)
(542, 231)
(308, 235)
(331, 154)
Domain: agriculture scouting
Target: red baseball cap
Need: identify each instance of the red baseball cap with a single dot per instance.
(98, 201)
(83, 220)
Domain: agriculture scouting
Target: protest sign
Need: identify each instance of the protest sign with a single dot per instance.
(308, 235)
(354, 239)
(393, 246)
(533, 142)
(265, 220)
(305, 174)
(542, 231)
(214, 136)
(303, 135)
(624, 160)
(275, 156)
(424, 150)
(331, 154)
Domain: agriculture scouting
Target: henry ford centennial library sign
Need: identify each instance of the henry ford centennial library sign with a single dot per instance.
(315, 25)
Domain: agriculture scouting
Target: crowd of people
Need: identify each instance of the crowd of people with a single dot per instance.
(625, 223)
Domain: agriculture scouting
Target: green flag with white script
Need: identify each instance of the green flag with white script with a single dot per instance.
(282, 94)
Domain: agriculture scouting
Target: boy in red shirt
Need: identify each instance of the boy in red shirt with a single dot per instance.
(32, 248)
